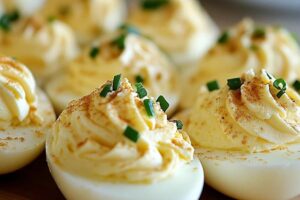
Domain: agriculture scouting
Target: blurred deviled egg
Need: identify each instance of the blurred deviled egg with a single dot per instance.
(180, 27)
(247, 136)
(126, 52)
(117, 143)
(88, 18)
(26, 116)
(26, 7)
(44, 45)
(245, 46)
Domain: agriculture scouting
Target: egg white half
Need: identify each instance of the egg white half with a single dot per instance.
(186, 184)
(20, 145)
(269, 175)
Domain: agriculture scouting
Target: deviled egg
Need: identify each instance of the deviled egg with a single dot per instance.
(245, 46)
(126, 52)
(180, 27)
(43, 45)
(247, 136)
(88, 18)
(117, 143)
(26, 116)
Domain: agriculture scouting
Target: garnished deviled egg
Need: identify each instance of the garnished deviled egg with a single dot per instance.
(180, 27)
(247, 136)
(126, 52)
(117, 143)
(44, 45)
(246, 46)
(26, 116)
(88, 18)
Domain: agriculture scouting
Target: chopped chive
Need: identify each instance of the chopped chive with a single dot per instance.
(94, 52)
(280, 84)
(106, 89)
(223, 38)
(153, 4)
(7, 19)
(296, 85)
(179, 124)
(141, 91)
(120, 41)
(116, 82)
(269, 76)
(234, 83)
(212, 85)
(163, 103)
(139, 79)
(259, 33)
(131, 134)
(51, 19)
(253, 47)
(149, 107)
(130, 29)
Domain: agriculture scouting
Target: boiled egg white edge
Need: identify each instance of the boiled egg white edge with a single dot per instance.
(185, 184)
(20, 153)
(270, 175)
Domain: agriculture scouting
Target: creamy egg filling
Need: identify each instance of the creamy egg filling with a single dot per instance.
(89, 138)
(254, 118)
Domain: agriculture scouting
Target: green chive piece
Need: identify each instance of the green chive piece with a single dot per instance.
(149, 107)
(141, 91)
(139, 79)
(163, 103)
(234, 83)
(130, 29)
(153, 4)
(94, 52)
(296, 85)
(280, 84)
(269, 76)
(253, 47)
(116, 82)
(179, 124)
(131, 134)
(212, 85)
(120, 41)
(223, 38)
(259, 33)
(7, 19)
(51, 19)
(106, 89)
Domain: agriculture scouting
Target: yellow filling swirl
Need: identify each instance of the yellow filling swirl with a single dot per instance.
(18, 98)
(88, 139)
(252, 118)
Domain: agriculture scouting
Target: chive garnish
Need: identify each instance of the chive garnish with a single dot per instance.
(179, 124)
(234, 83)
(212, 85)
(106, 89)
(149, 107)
(259, 33)
(141, 91)
(131, 134)
(116, 82)
(139, 79)
(7, 19)
(223, 38)
(51, 19)
(163, 103)
(153, 4)
(94, 52)
(280, 84)
(269, 76)
(130, 29)
(253, 47)
(120, 41)
(296, 85)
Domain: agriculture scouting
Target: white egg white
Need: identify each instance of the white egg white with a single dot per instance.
(185, 184)
(20, 145)
(269, 175)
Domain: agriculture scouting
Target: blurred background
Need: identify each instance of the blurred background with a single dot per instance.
(277, 12)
